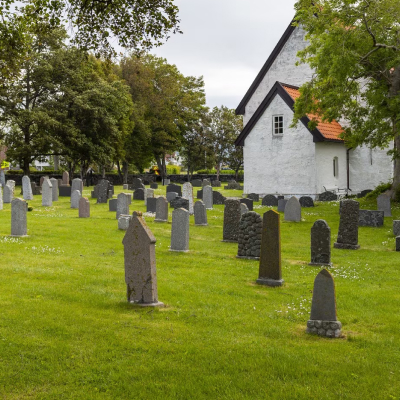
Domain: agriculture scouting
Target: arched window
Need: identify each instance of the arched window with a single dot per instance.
(335, 167)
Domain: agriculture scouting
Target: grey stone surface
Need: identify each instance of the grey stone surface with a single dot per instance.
(153, 185)
(282, 204)
(232, 215)
(179, 202)
(174, 188)
(249, 238)
(363, 193)
(320, 243)
(161, 210)
(77, 184)
(218, 198)
(140, 263)
(138, 194)
(232, 185)
(36, 190)
(200, 194)
(270, 270)
(2, 178)
(54, 188)
(95, 192)
(123, 222)
(42, 179)
(200, 213)
(47, 193)
(206, 182)
(180, 230)
(248, 202)
(19, 209)
(75, 197)
(84, 207)
(348, 226)
(137, 184)
(166, 181)
(187, 193)
(370, 218)
(65, 178)
(397, 243)
(64, 191)
(306, 201)
(396, 228)
(102, 191)
(148, 194)
(383, 202)
(112, 205)
(123, 201)
(11, 183)
(293, 210)
(269, 200)
(216, 183)
(1, 197)
(26, 188)
(125, 186)
(254, 196)
(327, 196)
(208, 197)
(243, 209)
(8, 194)
(197, 183)
(171, 196)
(151, 206)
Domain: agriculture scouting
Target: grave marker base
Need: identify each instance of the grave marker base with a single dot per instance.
(331, 329)
(158, 304)
(346, 246)
(270, 282)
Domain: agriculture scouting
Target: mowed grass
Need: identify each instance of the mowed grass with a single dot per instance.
(67, 331)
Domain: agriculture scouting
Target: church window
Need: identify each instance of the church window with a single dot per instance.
(335, 167)
(277, 128)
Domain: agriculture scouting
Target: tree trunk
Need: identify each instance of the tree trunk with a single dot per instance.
(103, 171)
(56, 161)
(71, 171)
(125, 167)
(218, 170)
(26, 169)
(119, 169)
(396, 171)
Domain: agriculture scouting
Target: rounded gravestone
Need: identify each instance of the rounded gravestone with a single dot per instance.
(270, 201)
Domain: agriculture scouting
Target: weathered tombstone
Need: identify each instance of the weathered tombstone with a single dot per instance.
(243, 209)
(187, 193)
(11, 183)
(200, 214)
(348, 226)
(123, 201)
(54, 188)
(180, 230)
(77, 184)
(2, 178)
(148, 193)
(47, 193)
(151, 206)
(102, 191)
(371, 218)
(270, 272)
(174, 188)
(320, 244)
(112, 205)
(327, 196)
(216, 183)
(179, 202)
(75, 197)
(171, 196)
(396, 228)
(254, 196)
(26, 188)
(248, 202)
(363, 193)
(232, 217)
(138, 194)
(161, 210)
(65, 178)
(197, 183)
(1, 197)
(8, 194)
(154, 186)
(84, 207)
(35, 189)
(137, 184)
(398, 243)
(125, 186)
(64, 191)
(269, 200)
(293, 210)
(95, 192)
(166, 181)
(218, 198)
(208, 197)
(140, 263)
(323, 320)
(282, 204)
(232, 185)
(206, 182)
(123, 222)
(306, 201)
(19, 210)
(384, 204)
(249, 238)
(200, 194)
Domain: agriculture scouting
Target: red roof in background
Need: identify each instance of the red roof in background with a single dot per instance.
(330, 130)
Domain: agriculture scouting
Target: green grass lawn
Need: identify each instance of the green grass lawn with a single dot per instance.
(67, 331)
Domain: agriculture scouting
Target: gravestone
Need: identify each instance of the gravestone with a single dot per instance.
(187, 193)
(320, 244)
(306, 201)
(232, 185)
(398, 243)
(146, 182)
(2, 178)
(148, 194)
(200, 214)
(280, 197)
(370, 218)
(161, 210)
(75, 197)
(137, 184)
(47, 193)
(102, 191)
(123, 201)
(151, 206)
(282, 204)
(1, 197)
(180, 230)
(138, 194)
(249, 238)
(19, 209)
(197, 183)
(95, 192)
(174, 188)
(42, 178)
(208, 197)
(293, 210)
(232, 215)
(26, 188)
(323, 320)
(270, 272)
(363, 193)
(140, 263)
(65, 178)
(8, 194)
(112, 205)
(84, 207)
(171, 196)
(348, 226)
(166, 181)
(123, 222)
(243, 209)
(384, 204)
(179, 202)
(11, 183)
(35, 189)
(154, 186)
(269, 200)
(218, 198)
(125, 186)
(327, 196)
(254, 196)
(248, 202)
(206, 182)
(396, 228)
(216, 183)
(54, 188)
(200, 194)
(77, 184)
(64, 191)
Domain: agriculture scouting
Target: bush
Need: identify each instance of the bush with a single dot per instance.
(173, 170)
(383, 187)
(222, 172)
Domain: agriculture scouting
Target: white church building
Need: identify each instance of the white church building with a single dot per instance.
(282, 160)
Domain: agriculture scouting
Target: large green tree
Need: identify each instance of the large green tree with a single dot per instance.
(354, 49)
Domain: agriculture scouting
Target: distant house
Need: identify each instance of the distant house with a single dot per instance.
(282, 160)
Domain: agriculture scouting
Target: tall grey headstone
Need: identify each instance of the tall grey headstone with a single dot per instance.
(138, 194)
(8, 194)
(180, 230)
(77, 184)
(102, 191)
(208, 197)
(19, 211)
(348, 226)
(200, 214)
(27, 188)
(54, 184)
(282, 204)
(187, 193)
(65, 178)
(75, 197)
(320, 244)
(161, 210)
(47, 193)
(232, 215)
(396, 228)
(2, 178)
(123, 201)
(140, 263)
(151, 206)
(323, 320)
(249, 239)
(293, 210)
(148, 194)
(383, 202)
(84, 207)
(112, 205)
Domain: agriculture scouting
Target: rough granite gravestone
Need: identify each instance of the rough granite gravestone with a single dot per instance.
(200, 214)
(243, 209)
(232, 215)
(138, 194)
(270, 272)
(161, 210)
(75, 197)
(171, 196)
(323, 320)
(249, 238)
(306, 201)
(123, 201)
(216, 183)
(137, 184)
(174, 188)
(8, 194)
(398, 243)
(179, 202)
(327, 196)
(65, 178)
(2, 178)
(27, 188)
(153, 185)
(84, 207)
(208, 197)
(248, 202)
(123, 222)
(19, 209)
(396, 228)
(218, 198)
(384, 204)
(187, 193)
(140, 263)
(77, 184)
(47, 193)
(151, 206)
(197, 183)
(180, 230)
(1, 197)
(254, 196)
(54, 188)
(363, 193)
(233, 185)
(200, 194)
(102, 191)
(293, 210)
(282, 205)
(320, 244)
(148, 194)
(269, 200)
(206, 182)
(112, 205)
(348, 226)
(371, 218)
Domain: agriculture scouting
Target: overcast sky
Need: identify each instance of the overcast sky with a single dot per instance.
(227, 42)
